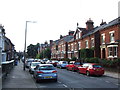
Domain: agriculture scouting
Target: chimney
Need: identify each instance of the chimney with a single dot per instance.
(51, 41)
(102, 23)
(70, 33)
(89, 24)
(61, 36)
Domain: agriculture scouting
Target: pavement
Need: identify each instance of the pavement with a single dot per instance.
(18, 78)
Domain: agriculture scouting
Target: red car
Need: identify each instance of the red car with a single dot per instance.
(91, 69)
(73, 65)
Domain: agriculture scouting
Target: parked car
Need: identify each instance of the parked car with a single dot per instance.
(28, 62)
(48, 62)
(73, 65)
(32, 66)
(45, 72)
(62, 64)
(44, 61)
(91, 69)
(54, 62)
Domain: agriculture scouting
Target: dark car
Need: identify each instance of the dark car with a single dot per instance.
(45, 72)
(73, 65)
(91, 69)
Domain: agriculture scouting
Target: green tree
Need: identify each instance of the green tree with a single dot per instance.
(32, 50)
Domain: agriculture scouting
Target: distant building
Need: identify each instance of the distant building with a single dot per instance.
(6, 46)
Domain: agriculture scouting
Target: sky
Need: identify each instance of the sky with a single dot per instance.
(53, 18)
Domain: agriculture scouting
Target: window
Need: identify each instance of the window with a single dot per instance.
(115, 51)
(112, 39)
(92, 42)
(79, 45)
(72, 47)
(86, 43)
(79, 34)
(75, 46)
(103, 38)
(112, 51)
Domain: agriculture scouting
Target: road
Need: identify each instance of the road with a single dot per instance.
(69, 79)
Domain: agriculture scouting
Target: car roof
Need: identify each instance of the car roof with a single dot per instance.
(91, 63)
(45, 65)
(35, 62)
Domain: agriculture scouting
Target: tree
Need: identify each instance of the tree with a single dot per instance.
(32, 50)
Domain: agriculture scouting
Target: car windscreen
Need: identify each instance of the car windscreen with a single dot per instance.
(78, 63)
(35, 64)
(47, 67)
(97, 66)
(64, 62)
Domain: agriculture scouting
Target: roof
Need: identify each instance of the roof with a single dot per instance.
(111, 23)
(67, 38)
(45, 64)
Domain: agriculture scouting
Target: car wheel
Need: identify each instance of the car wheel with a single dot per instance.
(78, 71)
(73, 69)
(37, 81)
(88, 73)
(67, 68)
(55, 80)
(60, 67)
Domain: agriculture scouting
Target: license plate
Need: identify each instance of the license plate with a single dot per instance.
(97, 70)
(48, 77)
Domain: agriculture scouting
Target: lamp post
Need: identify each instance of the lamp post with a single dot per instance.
(25, 41)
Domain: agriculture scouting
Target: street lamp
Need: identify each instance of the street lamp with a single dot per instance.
(25, 41)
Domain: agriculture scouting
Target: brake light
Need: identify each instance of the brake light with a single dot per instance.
(39, 72)
(54, 71)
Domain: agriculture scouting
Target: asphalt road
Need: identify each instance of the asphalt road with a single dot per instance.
(69, 79)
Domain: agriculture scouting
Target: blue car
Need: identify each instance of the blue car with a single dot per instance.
(45, 72)
(62, 64)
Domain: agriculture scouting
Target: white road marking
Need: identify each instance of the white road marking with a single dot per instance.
(64, 85)
(59, 82)
(107, 81)
(117, 84)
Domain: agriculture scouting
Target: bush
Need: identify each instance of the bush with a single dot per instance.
(91, 60)
(86, 53)
(74, 58)
(110, 63)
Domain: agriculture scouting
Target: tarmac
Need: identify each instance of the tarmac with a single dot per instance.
(18, 78)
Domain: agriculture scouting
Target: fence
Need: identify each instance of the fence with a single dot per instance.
(6, 68)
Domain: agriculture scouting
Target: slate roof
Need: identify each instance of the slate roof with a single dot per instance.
(67, 38)
(111, 23)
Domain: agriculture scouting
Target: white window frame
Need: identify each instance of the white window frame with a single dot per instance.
(103, 38)
(79, 45)
(86, 44)
(111, 34)
(92, 42)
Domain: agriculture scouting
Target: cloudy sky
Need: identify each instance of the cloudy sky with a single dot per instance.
(54, 18)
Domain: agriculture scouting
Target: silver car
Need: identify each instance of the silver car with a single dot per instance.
(32, 66)
(62, 64)
(45, 72)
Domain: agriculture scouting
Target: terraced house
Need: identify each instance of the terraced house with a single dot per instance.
(102, 41)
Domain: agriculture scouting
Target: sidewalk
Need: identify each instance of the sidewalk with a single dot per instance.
(112, 74)
(18, 78)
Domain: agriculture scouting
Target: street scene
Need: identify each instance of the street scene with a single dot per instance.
(60, 44)
(66, 79)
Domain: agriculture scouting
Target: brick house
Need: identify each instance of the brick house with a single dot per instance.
(54, 50)
(63, 46)
(110, 40)
(60, 47)
(104, 40)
